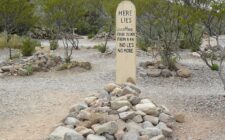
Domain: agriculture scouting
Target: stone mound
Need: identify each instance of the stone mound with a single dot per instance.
(118, 114)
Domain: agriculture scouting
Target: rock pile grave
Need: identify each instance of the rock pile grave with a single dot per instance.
(117, 114)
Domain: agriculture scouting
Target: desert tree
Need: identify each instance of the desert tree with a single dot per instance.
(16, 17)
(161, 28)
(62, 17)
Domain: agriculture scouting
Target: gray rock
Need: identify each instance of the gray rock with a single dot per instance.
(118, 104)
(71, 121)
(73, 136)
(127, 115)
(95, 137)
(152, 132)
(117, 92)
(138, 119)
(78, 107)
(84, 115)
(134, 87)
(143, 74)
(134, 126)
(110, 87)
(6, 68)
(140, 113)
(166, 118)
(123, 109)
(166, 73)
(22, 72)
(152, 119)
(103, 109)
(59, 132)
(128, 90)
(134, 100)
(165, 130)
(146, 64)
(84, 131)
(148, 108)
(131, 135)
(109, 137)
(1, 71)
(144, 101)
(90, 100)
(109, 127)
(147, 124)
(160, 137)
(154, 73)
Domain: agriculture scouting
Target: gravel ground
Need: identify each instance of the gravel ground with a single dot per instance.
(30, 107)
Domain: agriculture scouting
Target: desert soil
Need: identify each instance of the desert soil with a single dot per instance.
(30, 107)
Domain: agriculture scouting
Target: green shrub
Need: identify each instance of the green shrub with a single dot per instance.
(101, 48)
(16, 42)
(215, 67)
(28, 47)
(91, 35)
(29, 69)
(54, 44)
(143, 46)
(3, 41)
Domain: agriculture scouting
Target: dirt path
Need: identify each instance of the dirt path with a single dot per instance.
(31, 106)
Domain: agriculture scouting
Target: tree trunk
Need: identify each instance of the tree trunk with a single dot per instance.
(8, 45)
(110, 31)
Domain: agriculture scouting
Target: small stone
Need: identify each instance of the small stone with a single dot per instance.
(143, 74)
(109, 137)
(134, 87)
(144, 137)
(84, 131)
(166, 118)
(123, 109)
(140, 113)
(144, 101)
(22, 72)
(128, 90)
(134, 100)
(95, 137)
(160, 137)
(148, 108)
(165, 130)
(117, 92)
(179, 118)
(152, 132)
(109, 127)
(118, 104)
(73, 136)
(166, 73)
(126, 115)
(138, 119)
(90, 100)
(78, 107)
(84, 115)
(110, 87)
(6, 68)
(119, 134)
(152, 119)
(131, 135)
(184, 73)
(59, 132)
(103, 109)
(146, 64)
(71, 121)
(154, 73)
(147, 124)
(134, 126)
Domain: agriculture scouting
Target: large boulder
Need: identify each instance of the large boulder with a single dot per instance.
(73, 136)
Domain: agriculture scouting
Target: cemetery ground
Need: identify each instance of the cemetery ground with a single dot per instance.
(30, 107)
